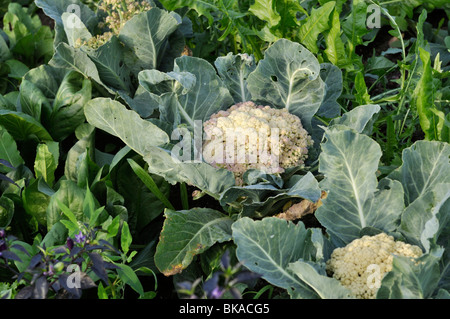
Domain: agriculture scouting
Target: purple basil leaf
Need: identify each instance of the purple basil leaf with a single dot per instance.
(7, 179)
(109, 265)
(6, 163)
(98, 266)
(107, 244)
(35, 260)
(21, 248)
(10, 255)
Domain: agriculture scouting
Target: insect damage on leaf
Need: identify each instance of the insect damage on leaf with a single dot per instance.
(299, 210)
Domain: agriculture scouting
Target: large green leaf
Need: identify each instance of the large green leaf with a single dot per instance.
(61, 93)
(325, 287)
(35, 198)
(360, 118)
(115, 119)
(8, 149)
(427, 217)
(45, 164)
(71, 196)
(146, 36)
(32, 100)
(411, 279)
(289, 77)
(75, 59)
(425, 165)
(55, 9)
(109, 60)
(332, 76)
(23, 126)
(425, 175)
(234, 71)
(191, 100)
(268, 246)
(189, 233)
(355, 200)
(209, 179)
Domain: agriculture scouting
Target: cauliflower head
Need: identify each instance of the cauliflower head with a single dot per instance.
(354, 264)
(250, 136)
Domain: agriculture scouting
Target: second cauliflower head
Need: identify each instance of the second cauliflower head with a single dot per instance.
(353, 264)
(250, 136)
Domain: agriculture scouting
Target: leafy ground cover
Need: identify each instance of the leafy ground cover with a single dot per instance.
(105, 191)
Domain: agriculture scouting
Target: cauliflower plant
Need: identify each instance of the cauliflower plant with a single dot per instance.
(355, 264)
(250, 136)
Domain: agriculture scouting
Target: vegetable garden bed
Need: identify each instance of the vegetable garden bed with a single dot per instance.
(224, 149)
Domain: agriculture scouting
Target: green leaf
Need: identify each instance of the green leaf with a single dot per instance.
(8, 149)
(150, 183)
(355, 199)
(411, 279)
(45, 164)
(325, 287)
(202, 7)
(68, 107)
(202, 175)
(315, 24)
(360, 118)
(289, 77)
(192, 100)
(32, 101)
(335, 49)
(36, 199)
(78, 150)
(113, 118)
(427, 217)
(265, 10)
(354, 26)
(6, 211)
(423, 100)
(23, 126)
(268, 246)
(75, 29)
(69, 195)
(129, 277)
(362, 96)
(425, 165)
(55, 9)
(125, 238)
(109, 60)
(189, 233)
(234, 71)
(146, 36)
(75, 59)
(332, 76)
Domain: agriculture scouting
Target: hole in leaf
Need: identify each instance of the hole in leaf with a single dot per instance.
(274, 78)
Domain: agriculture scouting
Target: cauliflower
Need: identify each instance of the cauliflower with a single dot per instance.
(248, 136)
(355, 264)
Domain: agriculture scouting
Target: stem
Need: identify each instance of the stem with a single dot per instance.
(184, 196)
